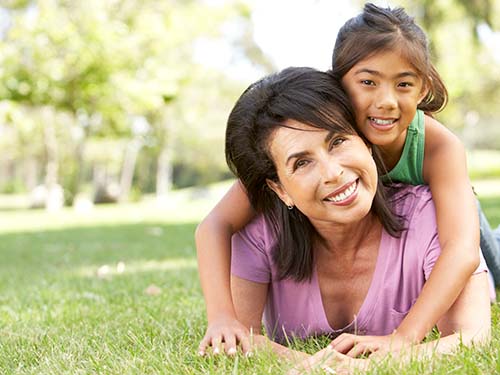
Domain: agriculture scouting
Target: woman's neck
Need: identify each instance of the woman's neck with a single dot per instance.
(346, 240)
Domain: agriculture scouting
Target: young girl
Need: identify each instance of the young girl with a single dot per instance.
(382, 59)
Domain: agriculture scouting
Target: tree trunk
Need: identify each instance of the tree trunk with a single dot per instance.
(129, 162)
(164, 166)
(54, 198)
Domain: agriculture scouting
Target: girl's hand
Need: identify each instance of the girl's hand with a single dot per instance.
(228, 331)
(354, 345)
(329, 361)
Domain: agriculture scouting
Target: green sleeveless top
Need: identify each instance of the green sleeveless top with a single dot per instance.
(411, 164)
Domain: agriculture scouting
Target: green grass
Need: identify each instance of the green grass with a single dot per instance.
(58, 316)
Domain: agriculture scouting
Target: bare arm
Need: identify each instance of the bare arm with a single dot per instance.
(467, 321)
(445, 171)
(249, 300)
(213, 246)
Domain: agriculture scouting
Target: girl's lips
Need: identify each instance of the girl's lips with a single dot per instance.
(382, 124)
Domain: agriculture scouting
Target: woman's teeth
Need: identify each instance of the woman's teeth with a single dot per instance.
(344, 195)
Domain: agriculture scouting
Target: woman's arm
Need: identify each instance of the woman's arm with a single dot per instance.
(445, 171)
(249, 300)
(213, 246)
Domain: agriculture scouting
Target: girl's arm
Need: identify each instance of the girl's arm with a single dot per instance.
(467, 321)
(445, 171)
(213, 246)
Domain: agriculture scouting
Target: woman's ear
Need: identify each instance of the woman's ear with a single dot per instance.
(280, 192)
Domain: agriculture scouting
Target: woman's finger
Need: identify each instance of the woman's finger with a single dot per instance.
(244, 341)
(230, 344)
(203, 345)
(216, 344)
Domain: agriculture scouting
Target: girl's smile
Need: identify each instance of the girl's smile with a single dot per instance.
(385, 90)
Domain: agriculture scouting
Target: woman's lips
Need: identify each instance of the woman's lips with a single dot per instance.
(345, 196)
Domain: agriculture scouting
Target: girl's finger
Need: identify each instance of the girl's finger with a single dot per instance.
(344, 345)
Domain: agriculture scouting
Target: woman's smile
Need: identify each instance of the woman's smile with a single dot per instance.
(344, 195)
(328, 177)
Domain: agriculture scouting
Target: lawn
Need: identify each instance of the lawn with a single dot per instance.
(115, 291)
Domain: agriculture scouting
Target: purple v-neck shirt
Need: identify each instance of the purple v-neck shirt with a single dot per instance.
(403, 265)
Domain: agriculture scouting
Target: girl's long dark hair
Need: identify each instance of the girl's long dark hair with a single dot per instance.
(379, 29)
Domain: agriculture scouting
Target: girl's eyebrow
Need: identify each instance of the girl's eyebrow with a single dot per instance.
(377, 73)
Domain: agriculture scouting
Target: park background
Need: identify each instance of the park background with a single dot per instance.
(112, 119)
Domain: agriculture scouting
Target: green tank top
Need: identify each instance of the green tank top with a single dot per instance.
(411, 163)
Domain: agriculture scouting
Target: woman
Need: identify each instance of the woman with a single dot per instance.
(334, 252)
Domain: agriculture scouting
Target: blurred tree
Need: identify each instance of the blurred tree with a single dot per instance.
(465, 57)
(106, 63)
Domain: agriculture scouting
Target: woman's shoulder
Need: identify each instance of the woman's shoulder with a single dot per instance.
(409, 201)
(259, 232)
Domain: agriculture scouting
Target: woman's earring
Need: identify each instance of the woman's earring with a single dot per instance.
(290, 207)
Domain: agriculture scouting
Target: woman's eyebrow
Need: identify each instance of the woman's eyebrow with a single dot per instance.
(296, 155)
(329, 136)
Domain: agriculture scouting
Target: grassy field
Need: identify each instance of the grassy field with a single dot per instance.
(115, 291)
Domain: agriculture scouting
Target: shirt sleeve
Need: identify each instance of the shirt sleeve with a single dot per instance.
(424, 218)
(250, 249)
(423, 222)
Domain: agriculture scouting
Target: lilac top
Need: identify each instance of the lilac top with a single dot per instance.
(403, 265)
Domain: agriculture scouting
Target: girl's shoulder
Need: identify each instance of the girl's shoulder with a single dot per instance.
(442, 149)
(438, 137)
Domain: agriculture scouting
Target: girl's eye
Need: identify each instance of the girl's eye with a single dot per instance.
(300, 164)
(368, 82)
(405, 84)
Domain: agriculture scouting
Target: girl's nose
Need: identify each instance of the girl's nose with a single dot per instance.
(386, 98)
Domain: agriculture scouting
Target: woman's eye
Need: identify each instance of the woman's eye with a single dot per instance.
(300, 164)
(337, 141)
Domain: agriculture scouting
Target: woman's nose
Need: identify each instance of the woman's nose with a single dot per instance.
(332, 170)
(386, 98)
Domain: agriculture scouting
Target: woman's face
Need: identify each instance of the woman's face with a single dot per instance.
(329, 177)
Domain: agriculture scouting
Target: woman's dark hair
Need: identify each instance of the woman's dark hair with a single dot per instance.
(308, 96)
(379, 29)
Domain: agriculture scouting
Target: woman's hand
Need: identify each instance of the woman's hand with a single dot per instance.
(228, 331)
(354, 345)
(329, 361)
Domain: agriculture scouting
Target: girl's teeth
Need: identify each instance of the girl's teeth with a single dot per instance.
(381, 122)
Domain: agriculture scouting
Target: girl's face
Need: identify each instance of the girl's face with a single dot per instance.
(330, 178)
(385, 90)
